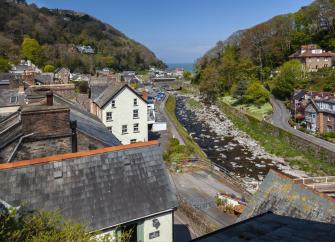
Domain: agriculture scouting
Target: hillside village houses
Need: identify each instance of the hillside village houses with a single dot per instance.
(123, 111)
(314, 58)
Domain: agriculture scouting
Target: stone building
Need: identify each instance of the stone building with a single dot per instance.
(313, 57)
(63, 75)
(320, 116)
(49, 128)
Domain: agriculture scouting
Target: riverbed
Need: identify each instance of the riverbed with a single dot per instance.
(227, 146)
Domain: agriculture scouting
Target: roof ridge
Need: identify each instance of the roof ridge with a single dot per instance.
(23, 163)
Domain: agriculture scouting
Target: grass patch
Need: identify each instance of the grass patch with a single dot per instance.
(279, 144)
(170, 107)
(258, 112)
(176, 152)
(193, 104)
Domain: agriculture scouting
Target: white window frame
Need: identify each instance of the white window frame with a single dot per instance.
(133, 141)
(135, 102)
(124, 129)
(136, 128)
(109, 118)
(11, 101)
(110, 128)
(113, 104)
(136, 116)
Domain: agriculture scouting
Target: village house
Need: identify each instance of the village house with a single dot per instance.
(123, 111)
(122, 188)
(314, 58)
(85, 49)
(35, 127)
(320, 116)
(63, 75)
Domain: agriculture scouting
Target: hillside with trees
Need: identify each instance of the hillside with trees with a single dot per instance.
(261, 55)
(50, 36)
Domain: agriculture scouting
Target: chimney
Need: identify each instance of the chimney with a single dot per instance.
(73, 125)
(145, 95)
(50, 98)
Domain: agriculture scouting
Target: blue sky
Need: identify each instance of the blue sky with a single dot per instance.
(179, 31)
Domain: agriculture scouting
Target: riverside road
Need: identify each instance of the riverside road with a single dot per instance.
(280, 119)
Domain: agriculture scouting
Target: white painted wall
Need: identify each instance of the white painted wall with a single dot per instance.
(165, 229)
(123, 115)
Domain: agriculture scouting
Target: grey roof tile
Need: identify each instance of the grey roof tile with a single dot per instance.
(88, 192)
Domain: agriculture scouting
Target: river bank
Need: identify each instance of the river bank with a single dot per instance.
(228, 146)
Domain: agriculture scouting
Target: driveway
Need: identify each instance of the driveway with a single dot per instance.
(280, 119)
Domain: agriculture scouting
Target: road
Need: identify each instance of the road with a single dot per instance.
(170, 125)
(280, 119)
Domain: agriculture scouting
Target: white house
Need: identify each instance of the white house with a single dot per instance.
(123, 111)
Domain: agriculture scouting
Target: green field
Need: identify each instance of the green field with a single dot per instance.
(258, 112)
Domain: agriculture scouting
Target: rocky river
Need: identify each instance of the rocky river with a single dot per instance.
(227, 146)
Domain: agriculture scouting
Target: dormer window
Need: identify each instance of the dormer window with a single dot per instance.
(113, 103)
(13, 99)
(135, 102)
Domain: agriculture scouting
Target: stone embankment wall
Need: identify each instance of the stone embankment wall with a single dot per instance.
(315, 150)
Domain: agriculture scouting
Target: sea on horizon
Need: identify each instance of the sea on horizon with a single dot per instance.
(185, 66)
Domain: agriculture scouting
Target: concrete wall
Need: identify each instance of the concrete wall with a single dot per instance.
(123, 115)
(164, 232)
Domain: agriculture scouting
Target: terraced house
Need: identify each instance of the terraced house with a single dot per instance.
(123, 111)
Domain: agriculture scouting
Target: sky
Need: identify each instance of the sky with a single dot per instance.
(179, 31)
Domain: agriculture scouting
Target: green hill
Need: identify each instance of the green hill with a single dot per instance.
(255, 53)
(60, 31)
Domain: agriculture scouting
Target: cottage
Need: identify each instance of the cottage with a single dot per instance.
(63, 75)
(122, 187)
(320, 116)
(313, 57)
(123, 111)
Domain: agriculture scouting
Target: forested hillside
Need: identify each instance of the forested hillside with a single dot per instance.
(57, 32)
(254, 55)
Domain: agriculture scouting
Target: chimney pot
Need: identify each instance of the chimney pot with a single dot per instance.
(50, 98)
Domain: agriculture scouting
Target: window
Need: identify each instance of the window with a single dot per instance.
(113, 103)
(124, 129)
(132, 141)
(13, 99)
(110, 128)
(136, 128)
(135, 102)
(328, 119)
(326, 65)
(109, 117)
(135, 114)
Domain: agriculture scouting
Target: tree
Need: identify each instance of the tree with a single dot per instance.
(49, 68)
(209, 82)
(40, 226)
(291, 75)
(187, 75)
(4, 65)
(256, 93)
(32, 50)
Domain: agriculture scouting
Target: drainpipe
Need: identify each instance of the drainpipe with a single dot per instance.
(73, 125)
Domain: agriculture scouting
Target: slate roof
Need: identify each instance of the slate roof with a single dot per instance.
(272, 227)
(96, 90)
(110, 92)
(101, 188)
(5, 97)
(89, 124)
(284, 196)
